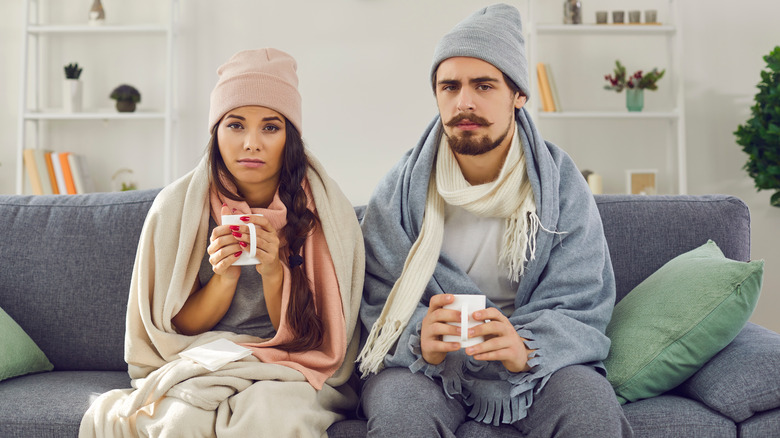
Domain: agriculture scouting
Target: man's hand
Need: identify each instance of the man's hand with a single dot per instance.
(502, 342)
(435, 325)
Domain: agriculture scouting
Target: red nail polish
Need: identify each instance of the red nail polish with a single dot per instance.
(237, 254)
(237, 234)
(224, 205)
(234, 227)
(244, 218)
(244, 244)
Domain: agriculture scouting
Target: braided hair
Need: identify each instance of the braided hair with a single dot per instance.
(302, 316)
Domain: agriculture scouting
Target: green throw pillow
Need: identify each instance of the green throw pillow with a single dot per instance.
(677, 319)
(19, 355)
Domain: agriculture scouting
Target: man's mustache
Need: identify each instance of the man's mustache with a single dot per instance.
(470, 117)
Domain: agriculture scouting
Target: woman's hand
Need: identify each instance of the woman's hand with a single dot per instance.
(225, 248)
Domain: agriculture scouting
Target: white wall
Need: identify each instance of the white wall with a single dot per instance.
(363, 68)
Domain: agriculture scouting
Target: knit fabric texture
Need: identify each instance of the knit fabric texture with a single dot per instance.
(493, 34)
(263, 77)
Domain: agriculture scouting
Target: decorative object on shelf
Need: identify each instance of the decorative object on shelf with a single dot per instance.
(651, 16)
(634, 84)
(594, 181)
(572, 12)
(126, 97)
(760, 135)
(634, 17)
(617, 17)
(601, 17)
(122, 180)
(97, 15)
(641, 182)
(72, 89)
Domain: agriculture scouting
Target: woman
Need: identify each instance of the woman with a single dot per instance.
(296, 310)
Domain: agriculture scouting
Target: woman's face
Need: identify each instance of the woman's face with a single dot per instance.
(251, 140)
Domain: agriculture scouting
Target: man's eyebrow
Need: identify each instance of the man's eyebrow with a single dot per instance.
(483, 79)
(478, 80)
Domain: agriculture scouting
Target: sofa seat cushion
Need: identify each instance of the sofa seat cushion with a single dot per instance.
(752, 362)
(763, 425)
(668, 416)
(52, 404)
(20, 353)
(678, 319)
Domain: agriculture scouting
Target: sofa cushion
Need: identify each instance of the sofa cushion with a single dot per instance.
(20, 354)
(52, 404)
(78, 253)
(668, 416)
(763, 425)
(677, 319)
(644, 232)
(752, 360)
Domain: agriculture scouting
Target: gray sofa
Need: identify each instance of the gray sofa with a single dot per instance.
(67, 260)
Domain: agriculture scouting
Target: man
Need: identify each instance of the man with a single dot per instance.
(482, 205)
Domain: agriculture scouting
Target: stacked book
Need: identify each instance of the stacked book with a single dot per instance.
(57, 173)
(547, 89)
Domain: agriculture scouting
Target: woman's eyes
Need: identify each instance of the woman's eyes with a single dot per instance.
(272, 128)
(269, 128)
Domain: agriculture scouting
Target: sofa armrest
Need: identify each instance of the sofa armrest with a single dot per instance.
(743, 378)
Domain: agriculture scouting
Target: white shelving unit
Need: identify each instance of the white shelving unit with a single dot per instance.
(670, 32)
(33, 113)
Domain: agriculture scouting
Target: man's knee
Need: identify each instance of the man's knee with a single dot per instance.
(399, 401)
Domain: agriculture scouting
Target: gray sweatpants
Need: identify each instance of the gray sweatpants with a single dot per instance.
(577, 402)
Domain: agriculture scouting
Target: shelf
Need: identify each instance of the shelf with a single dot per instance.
(670, 115)
(102, 29)
(606, 28)
(107, 114)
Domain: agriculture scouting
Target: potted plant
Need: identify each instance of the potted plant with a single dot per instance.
(72, 88)
(126, 97)
(634, 84)
(760, 135)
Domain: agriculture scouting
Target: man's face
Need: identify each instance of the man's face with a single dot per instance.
(476, 105)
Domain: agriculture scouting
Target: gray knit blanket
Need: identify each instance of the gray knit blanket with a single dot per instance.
(564, 299)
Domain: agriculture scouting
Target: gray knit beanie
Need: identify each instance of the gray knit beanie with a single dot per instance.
(492, 34)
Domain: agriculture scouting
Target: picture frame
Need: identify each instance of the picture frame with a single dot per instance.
(642, 181)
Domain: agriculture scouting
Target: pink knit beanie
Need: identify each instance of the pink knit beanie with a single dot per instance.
(263, 77)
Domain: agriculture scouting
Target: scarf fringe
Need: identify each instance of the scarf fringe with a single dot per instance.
(382, 337)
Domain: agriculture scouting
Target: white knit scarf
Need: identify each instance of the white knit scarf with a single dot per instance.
(509, 196)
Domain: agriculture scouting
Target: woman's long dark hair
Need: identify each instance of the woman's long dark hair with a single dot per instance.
(302, 315)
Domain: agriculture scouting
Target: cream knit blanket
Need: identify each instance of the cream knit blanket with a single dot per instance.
(176, 397)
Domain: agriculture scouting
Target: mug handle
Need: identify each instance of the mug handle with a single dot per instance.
(464, 322)
(252, 240)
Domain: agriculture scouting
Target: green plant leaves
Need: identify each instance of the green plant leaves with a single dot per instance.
(760, 135)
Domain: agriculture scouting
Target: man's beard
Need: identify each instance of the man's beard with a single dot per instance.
(469, 143)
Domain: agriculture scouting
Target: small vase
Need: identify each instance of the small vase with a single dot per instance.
(125, 106)
(572, 12)
(71, 95)
(635, 99)
(96, 14)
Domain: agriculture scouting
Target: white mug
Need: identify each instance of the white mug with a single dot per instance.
(467, 304)
(248, 256)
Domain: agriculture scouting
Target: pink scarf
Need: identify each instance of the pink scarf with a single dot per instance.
(316, 365)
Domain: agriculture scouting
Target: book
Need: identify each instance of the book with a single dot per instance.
(32, 171)
(43, 171)
(58, 176)
(67, 176)
(52, 177)
(553, 88)
(81, 177)
(544, 88)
